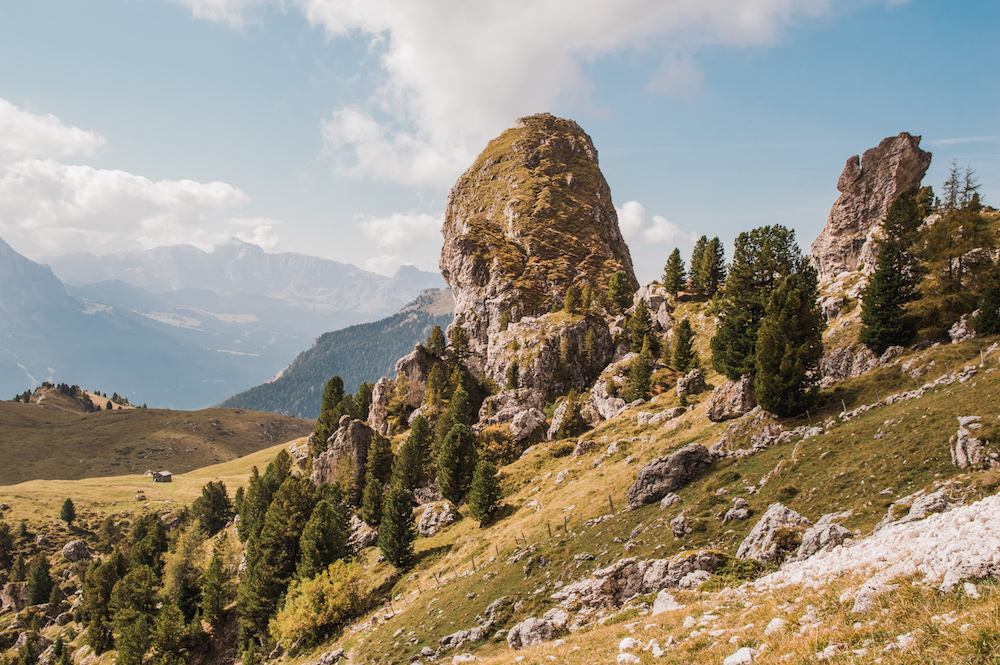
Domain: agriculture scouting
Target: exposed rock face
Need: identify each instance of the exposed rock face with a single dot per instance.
(75, 550)
(667, 474)
(603, 403)
(518, 408)
(435, 517)
(821, 538)
(847, 362)
(691, 383)
(611, 586)
(537, 345)
(362, 535)
(378, 412)
(867, 186)
(345, 459)
(966, 449)
(14, 596)
(963, 330)
(732, 399)
(777, 535)
(532, 216)
(534, 631)
(416, 366)
(654, 297)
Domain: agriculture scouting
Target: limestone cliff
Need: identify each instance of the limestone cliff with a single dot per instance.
(531, 217)
(868, 185)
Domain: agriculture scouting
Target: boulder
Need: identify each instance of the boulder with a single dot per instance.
(531, 217)
(606, 405)
(777, 535)
(75, 550)
(435, 517)
(665, 602)
(963, 330)
(821, 538)
(739, 511)
(847, 362)
(532, 631)
(691, 383)
(867, 185)
(732, 399)
(502, 407)
(655, 297)
(966, 449)
(300, 454)
(345, 459)
(378, 412)
(362, 535)
(668, 474)
(423, 495)
(14, 596)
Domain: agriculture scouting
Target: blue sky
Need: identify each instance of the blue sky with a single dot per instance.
(337, 128)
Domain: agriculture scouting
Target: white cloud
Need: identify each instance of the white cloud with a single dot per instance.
(263, 234)
(399, 230)
(663, 231)
(631, 218)
(455, 74)
(633, 222)
(47, 207)
(24, 134)
(385, 264)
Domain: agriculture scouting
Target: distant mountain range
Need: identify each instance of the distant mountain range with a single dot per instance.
(364, 352)
(178, 327)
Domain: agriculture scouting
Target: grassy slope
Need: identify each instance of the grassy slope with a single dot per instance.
(51, 440)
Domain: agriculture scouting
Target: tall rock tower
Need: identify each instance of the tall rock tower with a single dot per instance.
(531, 217)
(867, 185)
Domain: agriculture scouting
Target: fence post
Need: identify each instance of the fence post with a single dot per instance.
(548, 526)
(611, 501)
(474, 564)
(843, 404)
(497, 549)
(565, 524)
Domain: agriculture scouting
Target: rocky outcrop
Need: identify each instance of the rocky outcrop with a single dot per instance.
(776, 536)
(822, 537)
(345, 459)
(691, 383)
(847, 362)
(378, 412)
(654, 297)
(531, 217)
(435, 517)
(966, 449)
(732, 399)
(867, 186)
(518, 408)
(534, 631)
(611, 586)
(963, 330)
(604, 404)
(667, 474)
(75, 550)
(412, 371)
(14, 596)
(550, 352)
(362, 535)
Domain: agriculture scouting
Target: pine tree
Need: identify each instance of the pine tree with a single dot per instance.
(437, 344)
(572, 301)
(371, 504)
(40, 581)
(790, 345)
(673, 273)
(456, 463)
(133, 602)
(68, 512)
(620, 292)
(761, 258)
(459, 341)
(640, 324)
(215, 596)
(697, 256)
(485, 493)
(18, 569)
(684, 355)
(398, 529)
(712, 270)
(589, 350)
(168, 635)
(213, 507)
(325, 538)
(437, 386)
(6, 545)
(587, 298)
(513, 375)
(884, 320)
(148, 542)
(987, 322)
(379, 462)
(639, 379)
(505, 318)
(406, 467)
(421, 439)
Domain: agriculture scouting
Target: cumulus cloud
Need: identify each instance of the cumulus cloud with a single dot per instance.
(633, 222)
(24, 134)
(385, 264)
(47, 207)
(400, 229)
(454, 74)
(263, 233)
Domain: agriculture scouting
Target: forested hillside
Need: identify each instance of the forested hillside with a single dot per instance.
(365, 352)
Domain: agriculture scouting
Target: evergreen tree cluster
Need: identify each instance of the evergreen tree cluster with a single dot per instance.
(335, 405)
(708, 265)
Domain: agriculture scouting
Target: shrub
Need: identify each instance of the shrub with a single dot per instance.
(314, 607)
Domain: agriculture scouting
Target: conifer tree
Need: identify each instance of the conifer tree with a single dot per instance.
(437, 344)
(420, 440)
(684, 355)
(18, 569)
(505, 318)
(697, 256)
(68, 512)
(6, 545)
(40, 581)
(673, 273)
(133, 603)
(456, 463)
(371, 504)
(398, 529)
(790, 345)
(168, 635)
(98, 585)
(513, 376)
(640, 325)
(215, 596)
(639, 378)
(148, 542)
(213, 507)
(620, 292)
(587, 298)
(325, 537)
(761, 258)
(379, 462)
(485, 493)
(589, 350)
(884, 320)
(459, 341)
(712, 270)
(572, 301)
(987, 322)
(437, 386)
